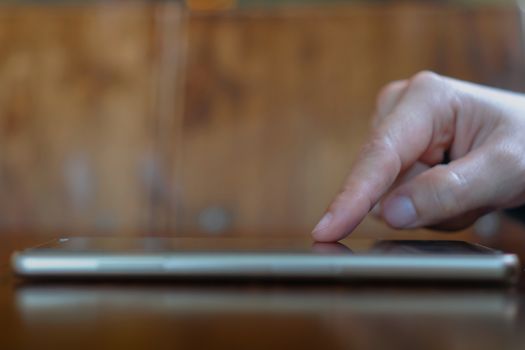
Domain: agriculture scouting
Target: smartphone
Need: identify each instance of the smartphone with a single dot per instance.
(265, 258)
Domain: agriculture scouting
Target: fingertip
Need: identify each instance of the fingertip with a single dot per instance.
(325, 231)
(324, 222)
(322, 232)
(333, 228)
(323, 237)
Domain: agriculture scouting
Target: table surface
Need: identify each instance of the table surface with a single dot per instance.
(258, 315)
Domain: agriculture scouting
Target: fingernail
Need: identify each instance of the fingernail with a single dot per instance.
(399, 212)
(324, 222)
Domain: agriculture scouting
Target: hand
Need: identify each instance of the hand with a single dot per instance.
(419, 123)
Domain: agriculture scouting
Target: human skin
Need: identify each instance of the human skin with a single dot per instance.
(418, 124)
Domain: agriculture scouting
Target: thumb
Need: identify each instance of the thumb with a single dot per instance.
(444, 192)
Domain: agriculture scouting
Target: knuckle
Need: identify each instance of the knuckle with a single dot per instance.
(425, 78)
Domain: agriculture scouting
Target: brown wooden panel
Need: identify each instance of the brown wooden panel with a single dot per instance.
(80, 113)
(278, 101)
(276, 105)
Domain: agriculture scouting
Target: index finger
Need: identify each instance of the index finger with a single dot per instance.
(421, 116)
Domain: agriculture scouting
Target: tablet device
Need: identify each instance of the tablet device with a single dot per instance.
(263, 258)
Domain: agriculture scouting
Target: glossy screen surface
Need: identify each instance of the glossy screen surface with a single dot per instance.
(260, 245)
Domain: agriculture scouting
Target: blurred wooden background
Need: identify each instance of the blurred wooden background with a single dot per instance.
(130, 117)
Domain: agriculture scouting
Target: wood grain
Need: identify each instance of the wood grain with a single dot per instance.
(79, 114)
(139, 117)
(278, 102)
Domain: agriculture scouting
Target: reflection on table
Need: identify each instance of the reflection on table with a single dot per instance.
(188, 315)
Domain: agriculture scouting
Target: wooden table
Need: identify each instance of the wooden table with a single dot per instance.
(255, 315)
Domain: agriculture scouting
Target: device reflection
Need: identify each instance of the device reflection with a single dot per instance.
(401, 315)
(38, 302)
